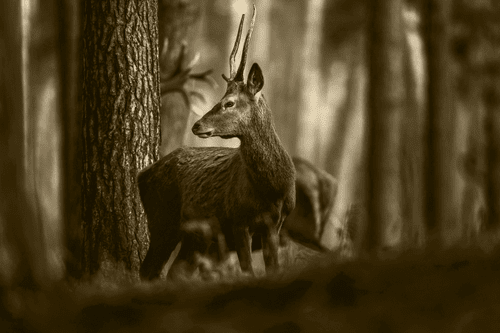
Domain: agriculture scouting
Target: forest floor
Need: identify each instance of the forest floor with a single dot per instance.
(456, 291)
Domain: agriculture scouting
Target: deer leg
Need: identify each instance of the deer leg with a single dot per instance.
(159, 251)
(184, 263)
(270, 244)
(194, 241)
(243, 244)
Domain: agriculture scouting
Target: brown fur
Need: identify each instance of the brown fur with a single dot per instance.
(315, 190)
(248, 190)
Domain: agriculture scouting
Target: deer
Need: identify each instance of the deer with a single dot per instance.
(248, 190)
(315, 195)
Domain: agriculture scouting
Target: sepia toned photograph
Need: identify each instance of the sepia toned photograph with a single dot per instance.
(277, 166)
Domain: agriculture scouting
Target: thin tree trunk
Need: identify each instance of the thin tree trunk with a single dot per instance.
(70, 118)
(472, 165)
(352, 103)
(385, 108)
(350, 156)
(24, 261)
(285, 67)
(411, 159)
(350, 196)
(312, 95)
(493, 154)
(440, 122)
(121, 129)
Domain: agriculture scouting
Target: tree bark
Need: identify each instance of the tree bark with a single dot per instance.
(121, 128)
(440, 122)
(385, 108)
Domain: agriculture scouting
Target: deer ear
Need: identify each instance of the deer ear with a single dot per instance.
(255, 80)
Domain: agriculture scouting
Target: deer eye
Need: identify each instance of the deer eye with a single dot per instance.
(228, 105)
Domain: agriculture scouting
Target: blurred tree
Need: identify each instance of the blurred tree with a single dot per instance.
(344, 28)
(68, 22)
(440, 122)
(23, 262)
(468, 53)
(411, 158)
(385, 109)
(217, 33)
(121, 129)
(178, 24)
(490, 29)
(345, 35)
(476, 41)
(346, 159)
(285, 67)
(43, 131)
(313, 92)
(493, 149)
(354, 101)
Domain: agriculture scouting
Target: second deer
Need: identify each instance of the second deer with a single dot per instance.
(249, 189)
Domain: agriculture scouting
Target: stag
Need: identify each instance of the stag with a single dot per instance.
(315, 191)
(247, 190)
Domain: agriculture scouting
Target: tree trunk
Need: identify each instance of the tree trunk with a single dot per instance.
(492, 127)
(121, 128)
(71, 143)
(411, 159)
(285, 68)
(440, 122)
(23, 260)
(352, 103)
(385, 108)
(312, 93)
(472, 164)
(350, 159)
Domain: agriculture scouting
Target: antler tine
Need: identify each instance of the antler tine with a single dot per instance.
(232, 57)
(241, 69)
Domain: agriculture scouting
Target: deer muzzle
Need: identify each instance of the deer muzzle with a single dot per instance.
(202, 131)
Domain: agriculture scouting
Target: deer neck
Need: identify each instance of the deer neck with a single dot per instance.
(267, 162)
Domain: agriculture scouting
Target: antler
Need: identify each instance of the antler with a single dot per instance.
(232, 57)
(233, 75)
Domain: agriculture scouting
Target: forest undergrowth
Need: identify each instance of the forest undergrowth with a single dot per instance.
(455, 291)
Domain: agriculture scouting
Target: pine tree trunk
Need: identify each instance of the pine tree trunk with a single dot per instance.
(440, 122)
(385, 108)
(121, 128)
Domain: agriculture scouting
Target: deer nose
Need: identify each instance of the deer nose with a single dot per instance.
(202, 131)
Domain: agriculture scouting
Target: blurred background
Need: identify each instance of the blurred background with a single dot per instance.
(397, 100)
(316, 59)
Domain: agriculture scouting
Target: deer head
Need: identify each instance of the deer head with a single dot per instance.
(239, 105)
